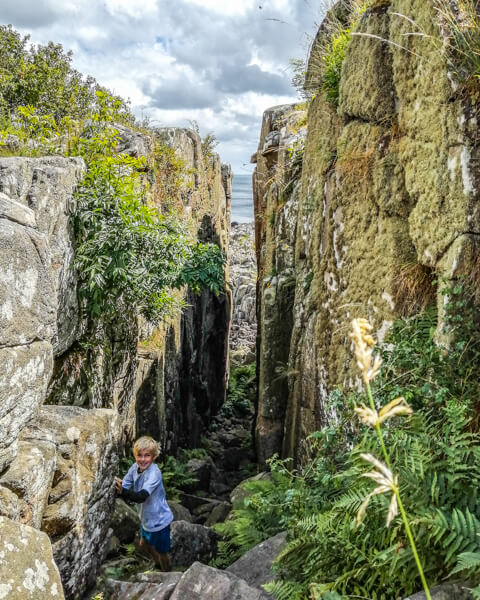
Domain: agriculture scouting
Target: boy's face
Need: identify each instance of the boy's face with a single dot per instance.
(144, 459)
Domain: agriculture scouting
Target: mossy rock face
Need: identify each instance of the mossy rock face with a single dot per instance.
(366, 92)
(388, 186)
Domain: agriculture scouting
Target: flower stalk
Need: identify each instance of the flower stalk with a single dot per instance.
(363, 343)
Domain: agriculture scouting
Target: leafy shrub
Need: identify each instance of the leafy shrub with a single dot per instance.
(262, 515)
(176, 477)
(42, 77)
(241, 389)
(128, 253)
(333, 61)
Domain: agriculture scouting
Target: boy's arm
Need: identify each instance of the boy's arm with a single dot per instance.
(127, 481)
(137, 497)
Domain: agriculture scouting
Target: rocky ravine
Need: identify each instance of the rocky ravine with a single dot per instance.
(57, 461)
(243, 276)
(385, 201)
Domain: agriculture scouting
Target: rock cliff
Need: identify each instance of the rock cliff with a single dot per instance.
(386, 203)
(75, 390)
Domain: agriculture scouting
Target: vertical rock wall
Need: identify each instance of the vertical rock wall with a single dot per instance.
(104, 383)
(388, 198)
(276, 197)
(186, 360)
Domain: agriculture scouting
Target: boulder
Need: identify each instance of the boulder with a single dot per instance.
(45, 186)
(133, 143)
(27, 568)
(180, 512)
(26, 370)
(192, 501)
(206, 583)
(191, 542)
(81, 499)
(125, 522)
(30, 476)
(256, 564)
(201, 469)
(239, 493)
(218, 514)
(9, 504)
(27, 289)
(159, 577)
(447, 591)
(205, 509)
(149, 586)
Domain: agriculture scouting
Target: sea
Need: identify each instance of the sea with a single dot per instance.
(242, 199)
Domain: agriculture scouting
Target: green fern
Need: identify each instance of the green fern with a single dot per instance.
(468, 563)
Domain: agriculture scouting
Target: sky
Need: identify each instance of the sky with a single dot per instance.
(218, 62)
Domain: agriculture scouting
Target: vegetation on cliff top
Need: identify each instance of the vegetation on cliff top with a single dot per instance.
(129, 254)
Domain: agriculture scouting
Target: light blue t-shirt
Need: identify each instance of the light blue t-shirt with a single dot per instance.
(155, 514)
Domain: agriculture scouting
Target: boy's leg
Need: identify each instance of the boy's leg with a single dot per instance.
(165, 562)
(162, 560)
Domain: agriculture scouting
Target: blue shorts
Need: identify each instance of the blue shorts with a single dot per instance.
(160, 540)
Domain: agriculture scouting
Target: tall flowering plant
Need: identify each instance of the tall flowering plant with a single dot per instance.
(382, 473)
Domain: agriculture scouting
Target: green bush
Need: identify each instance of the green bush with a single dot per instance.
(42, 77)
(435, 453)
(241, 389)
(332, 67)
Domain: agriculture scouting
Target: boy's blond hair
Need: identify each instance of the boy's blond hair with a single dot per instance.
(146, 443)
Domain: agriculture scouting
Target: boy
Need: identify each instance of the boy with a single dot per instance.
(143, 484)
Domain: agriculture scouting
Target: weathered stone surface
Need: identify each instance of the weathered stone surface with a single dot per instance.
(16, 212)
(149, 586)
(366, 93)
(191, 542)
(205, 583)
(448, 591)
(133, 143)
(27, 568)
(45, 186)
(239, 493)
(30, 476)
(9, 504)
(180, 512)
(219, 514)
(27, 292)
(25, 374)
(159, 577)
(81, 499)
(201, 469)
(277, 200)
(255, 566)
(390, 180)
(125, 521)
(243, 275)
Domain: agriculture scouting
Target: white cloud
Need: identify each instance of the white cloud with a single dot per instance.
(219, 62)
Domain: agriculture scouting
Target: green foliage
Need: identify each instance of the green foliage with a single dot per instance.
(463, 42)
(176, 476)
(129, 255)
(265, 512)
(204, 269)
(42, 77)
(174, 180)
(299, 70)
(208, 143)
(436, 453)
(332, 68)
(294, 167)
(241, 389)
